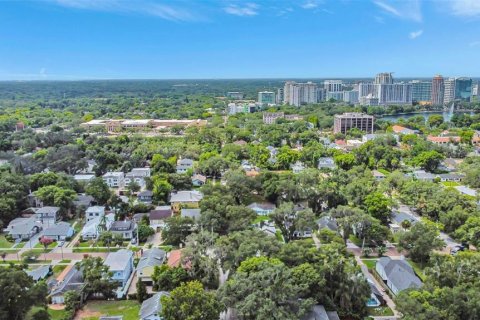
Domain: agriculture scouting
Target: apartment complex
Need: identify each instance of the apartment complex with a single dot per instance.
(266, 98)
(344, 122)
(116, 125)
(421, 91)
(438, 90)
(449, 91)
(296, 94)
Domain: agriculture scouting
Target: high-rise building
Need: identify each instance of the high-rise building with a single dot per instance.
(266, 97)
(438, 90)
(463, 89)
(421, 91)
(297, 94)
(321, 94)
(333, 85)
(384, 78)
(235, 95)
(367, 88)
(279, 97)
(350, 96)
(344, 122)
(449, 93)
(368, 100)
(396, 93)
(336, 95)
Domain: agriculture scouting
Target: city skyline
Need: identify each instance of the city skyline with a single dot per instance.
(150, 39)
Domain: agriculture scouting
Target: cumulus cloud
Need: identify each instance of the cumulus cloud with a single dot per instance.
(415, 34)
(248, 10)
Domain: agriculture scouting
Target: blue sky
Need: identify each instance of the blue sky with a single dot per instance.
(153, 39)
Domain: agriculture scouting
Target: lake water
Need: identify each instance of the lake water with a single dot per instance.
(447, 115)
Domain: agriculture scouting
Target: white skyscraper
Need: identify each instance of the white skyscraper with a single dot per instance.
(449, 93)
(384, 78)
(297, 94)
(367, 88)
(350, 96)
(396, 93)
(333, 85)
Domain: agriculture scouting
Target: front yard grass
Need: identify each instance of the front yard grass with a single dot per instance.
(418, 269)
(4, 243)
(259, 219)
(50, 246)
(450, 184)
(370, 263)
(380, 311)
(127, 308)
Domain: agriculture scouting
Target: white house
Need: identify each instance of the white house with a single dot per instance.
(48, 215)
(84, 178)
(114, 179)
(120, 265)
(94, 212)
(183, 165)
(91, 229)
(137, 175)
(59, 231)
(262, 208)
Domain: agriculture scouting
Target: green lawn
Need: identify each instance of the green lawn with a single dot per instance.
(84, 244)
(450, 184)
(370, 263)
(4, 243)
(166, 248)
(58, 269)
(259, 219)
(50, 246)
(57, 314)
(126, 308)
(418, 269)
(385, 172)
(380, 311)
(94, 249)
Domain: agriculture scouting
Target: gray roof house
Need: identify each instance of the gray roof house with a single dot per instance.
(198, 180)
(83, 200)
(183, 165)
(48, 215)
(152, 308)
(326, 163)
(145, 196)
(148, 261)
(318, 312)
(328, 223)
(398, 275)
(262, 208)
(124, 228)
(40, 273)
(23, 228)
(59, 231)
(72, 280)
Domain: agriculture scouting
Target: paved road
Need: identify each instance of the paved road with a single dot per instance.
(449, 242)
(58, 256)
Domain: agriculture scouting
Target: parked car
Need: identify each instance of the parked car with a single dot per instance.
(61, 243)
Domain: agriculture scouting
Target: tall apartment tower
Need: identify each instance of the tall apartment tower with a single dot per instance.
(438, 90)
(449, 93)
(384, 78)
(463, 89)
(421, 91)
(287, 89)
(395, 93)
(280, 97)
(333, 85)
(344, 122)
(297, 94)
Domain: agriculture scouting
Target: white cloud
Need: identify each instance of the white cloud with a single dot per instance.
(415, 34)
(311, 4)
(250, 9)
(145, 7)
(474, 44)
(469, 8)
(408, 10)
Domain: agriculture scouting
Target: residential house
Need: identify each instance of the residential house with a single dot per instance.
(83, 200)
(94, 212)
(59, 232)
(48, 215)
(397, 218)
(451, 177)
(114, 179)
(326, 163)
(124, 228)
(450, 164)
(402, 130)
(23, 228)
(443, 140)
(137, 175)
(147, 263)
(262, 208)
(152, 308)
(137, 217)
(378, 175)
(70, 279)
(327, 222)
(120, 266)
(297, 167)
(158, 216)
(40, 273)
(191, 213)
(34, 201)
(93, 228)
(318, 312)
(198, 180)
(185, 199)
(424, 176)
(84, 178)
(174, 258)
(183, 165)
(398, 275)
(145, 196)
